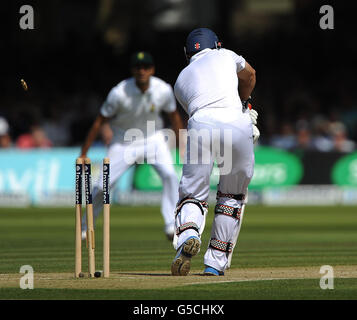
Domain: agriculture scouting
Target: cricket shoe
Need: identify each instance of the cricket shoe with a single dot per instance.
(84, 235)
(182, 262)
(209, 271)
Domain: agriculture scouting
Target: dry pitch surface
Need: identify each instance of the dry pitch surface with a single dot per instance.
(155, 280)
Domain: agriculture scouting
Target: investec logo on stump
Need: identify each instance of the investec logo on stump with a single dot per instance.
(79, 169)
(106, 183)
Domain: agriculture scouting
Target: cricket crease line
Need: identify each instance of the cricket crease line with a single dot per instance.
(263, 279)
(243, 280)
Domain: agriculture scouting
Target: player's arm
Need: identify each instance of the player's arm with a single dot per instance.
(246, 85)
(92, 134)
(247, 81)
(106, 133)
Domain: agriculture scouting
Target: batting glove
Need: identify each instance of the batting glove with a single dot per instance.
(247, 106)
(253, 115)
(256, 133)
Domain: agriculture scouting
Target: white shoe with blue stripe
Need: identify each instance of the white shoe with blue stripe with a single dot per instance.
(209, 271)
(182, 262)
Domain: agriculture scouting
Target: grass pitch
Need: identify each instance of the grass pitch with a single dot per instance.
(279, 255)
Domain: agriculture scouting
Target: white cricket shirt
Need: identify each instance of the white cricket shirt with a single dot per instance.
(128, 107)
(210, 81)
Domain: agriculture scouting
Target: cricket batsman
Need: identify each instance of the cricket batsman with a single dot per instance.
(214, 90)
(130, 106)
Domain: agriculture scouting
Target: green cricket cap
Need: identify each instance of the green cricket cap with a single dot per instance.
(141, 58)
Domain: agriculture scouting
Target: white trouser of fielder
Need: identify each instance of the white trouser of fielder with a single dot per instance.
(122, 156)
(235, 176)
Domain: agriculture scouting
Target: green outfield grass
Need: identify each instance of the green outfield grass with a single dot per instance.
(270, 237)
(251, 290)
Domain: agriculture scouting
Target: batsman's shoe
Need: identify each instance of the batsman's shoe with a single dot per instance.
(209, 271)
(182, 262)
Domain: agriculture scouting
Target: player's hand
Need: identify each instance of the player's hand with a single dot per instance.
(256, 133)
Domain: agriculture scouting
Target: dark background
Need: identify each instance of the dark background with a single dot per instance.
(79, 50)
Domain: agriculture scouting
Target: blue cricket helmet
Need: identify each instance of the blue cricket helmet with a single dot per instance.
(200, 39)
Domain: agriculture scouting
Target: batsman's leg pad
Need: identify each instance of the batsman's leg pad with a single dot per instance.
(186, 226)
(228, 211)
(190, 217)
(238, 197)
(224, 228)
(203, 205)
(226, 200)
(220, 245)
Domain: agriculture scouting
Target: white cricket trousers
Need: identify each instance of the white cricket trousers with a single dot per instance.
(229, 135)
(122, 156)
